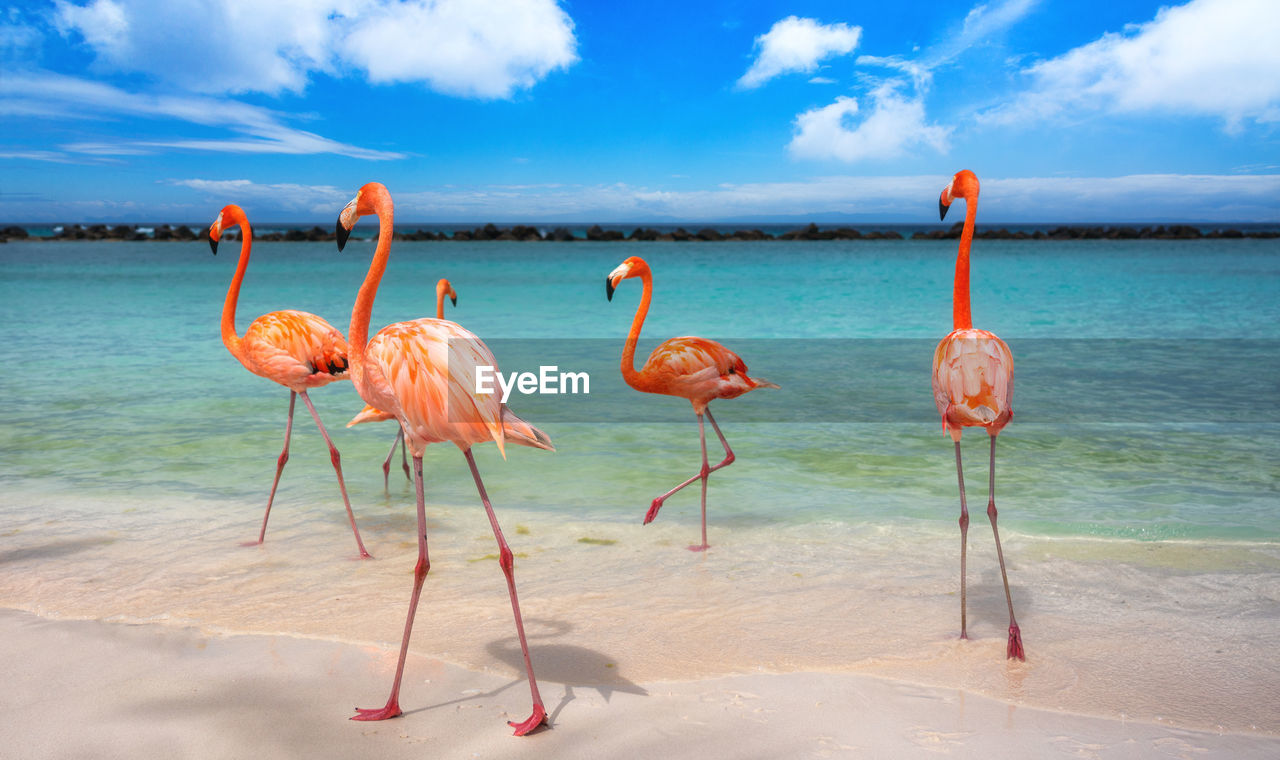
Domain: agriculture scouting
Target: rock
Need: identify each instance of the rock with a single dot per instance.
(594, 232)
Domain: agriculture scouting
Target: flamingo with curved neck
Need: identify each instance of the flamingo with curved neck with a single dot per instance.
(973, 387)
(423, 373)
(444, 289)
(696, 369)
(293, 348)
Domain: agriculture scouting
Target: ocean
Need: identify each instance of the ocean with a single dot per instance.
(1138, 484)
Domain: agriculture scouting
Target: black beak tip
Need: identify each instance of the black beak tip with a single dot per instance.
(213, 246)
(608, 288)
(942, 210)
(341, 233)
(453, 300)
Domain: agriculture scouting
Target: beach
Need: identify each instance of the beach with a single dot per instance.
(1143, 551)
(127, 691)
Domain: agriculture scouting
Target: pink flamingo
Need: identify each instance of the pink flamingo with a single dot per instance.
(973, 387)
(694, 368)
(369, 414)
(295, 349)
(423, 373)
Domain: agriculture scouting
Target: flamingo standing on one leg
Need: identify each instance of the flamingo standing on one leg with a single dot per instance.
(443, 289)
(973, 387)
(295, 349)
(694, 368)
(423, 373)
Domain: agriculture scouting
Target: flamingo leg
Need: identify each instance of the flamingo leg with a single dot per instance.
(392, 708)
(404, 461)
(280, 462)
(1015, 635)
(337, 467)
(507, 561)
(701, 474)
(964, 541)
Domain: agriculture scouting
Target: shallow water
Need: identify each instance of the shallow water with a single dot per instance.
(1137, 486)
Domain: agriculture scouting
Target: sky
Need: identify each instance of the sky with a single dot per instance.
(603, 111)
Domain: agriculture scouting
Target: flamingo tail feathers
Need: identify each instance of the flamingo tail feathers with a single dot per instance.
(516, 430)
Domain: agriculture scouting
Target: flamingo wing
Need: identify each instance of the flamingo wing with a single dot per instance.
(296, 349)
(973, 379)
(425, 371)
(699, 370)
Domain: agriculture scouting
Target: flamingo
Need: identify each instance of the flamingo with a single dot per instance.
(423, 373)
(293, 348)
(369, 414)
(973, 387)
(694, 368)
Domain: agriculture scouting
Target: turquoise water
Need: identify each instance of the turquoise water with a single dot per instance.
(1137, 484)
(118, 382)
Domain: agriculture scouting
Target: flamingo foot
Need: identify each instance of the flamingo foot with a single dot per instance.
(365, 555)
(539, 718)
(653, 510)
(1015, 644)
(699, 547)
(251, 543)
(392, 710)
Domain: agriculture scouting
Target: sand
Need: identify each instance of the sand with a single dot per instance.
(108, 690)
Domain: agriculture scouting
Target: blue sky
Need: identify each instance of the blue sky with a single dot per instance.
(537, 110)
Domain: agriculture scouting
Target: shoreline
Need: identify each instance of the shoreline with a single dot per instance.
(119, 690)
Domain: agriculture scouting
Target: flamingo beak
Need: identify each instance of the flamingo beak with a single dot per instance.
(942, 210)
(608, 288)
(454, 299)
(213, 244)
(347, 219)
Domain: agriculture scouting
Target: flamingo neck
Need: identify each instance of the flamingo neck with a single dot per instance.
(361, 312)
(629, 373)
(439, 302)
(230, 338)
(961, 317)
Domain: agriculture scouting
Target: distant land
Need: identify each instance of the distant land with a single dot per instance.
(720, 231)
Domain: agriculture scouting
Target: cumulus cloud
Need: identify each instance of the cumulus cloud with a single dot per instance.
(480, 48)
(474, 48)
(252, 129)
(1208, 57)
(797, 44)
(895, 124)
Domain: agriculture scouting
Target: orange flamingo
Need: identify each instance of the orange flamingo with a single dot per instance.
(369, 414)
(423, 373)
(694, 368)
(295, 349)
(973, 387)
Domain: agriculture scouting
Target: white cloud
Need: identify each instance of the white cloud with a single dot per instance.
(1208, 57)
(1133, 198)
(894, 125)
(253, 129)
(319, 199)
(475, 48)
(797, 44)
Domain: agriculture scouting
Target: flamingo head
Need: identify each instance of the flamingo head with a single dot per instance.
(632, 267)
(963, 185)
(230, 214)
(445, 288)
(373, 198)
